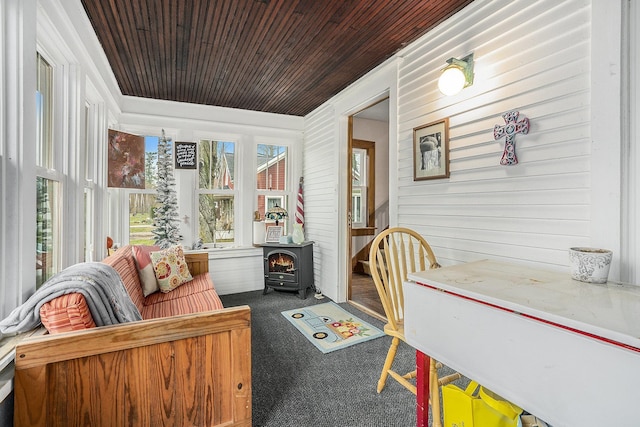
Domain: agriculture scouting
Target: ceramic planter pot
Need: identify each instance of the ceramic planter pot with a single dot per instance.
(298, 234)
(590, 265)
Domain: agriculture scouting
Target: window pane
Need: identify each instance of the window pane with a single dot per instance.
(141, 207)
(89, 155)
(358, 167)
(150, 161)
(356, 207)
(272, 167)
(216, 165)
(44, 114)
(47, 229)
(216, 218)
(88, 224)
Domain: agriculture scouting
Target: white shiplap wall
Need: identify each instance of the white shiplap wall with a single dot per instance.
(529, 56)
(558, 63)
(236, 270)
(320, 165)
(325, 173)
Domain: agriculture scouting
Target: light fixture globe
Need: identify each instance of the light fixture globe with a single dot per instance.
(456, 76)
(451, 80)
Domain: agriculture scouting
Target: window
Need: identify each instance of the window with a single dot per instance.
(216, 192)
(48, 180)
(88, 210)
(143, 202)
(363, 187)
(44, 111)
(271, 177)
(359, 188)
(47, 228)
(89, 183)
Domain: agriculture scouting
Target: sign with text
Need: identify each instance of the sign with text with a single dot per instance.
(185, 155)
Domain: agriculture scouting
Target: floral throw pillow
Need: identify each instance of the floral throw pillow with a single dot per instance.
(170, 268)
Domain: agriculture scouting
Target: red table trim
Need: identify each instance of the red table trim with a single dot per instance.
(422, 388)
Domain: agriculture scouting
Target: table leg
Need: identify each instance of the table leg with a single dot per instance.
(422, 385)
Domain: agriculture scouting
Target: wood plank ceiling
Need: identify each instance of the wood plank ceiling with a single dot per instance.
(279, 56)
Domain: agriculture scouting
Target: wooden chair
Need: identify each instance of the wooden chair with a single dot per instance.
(394, 254)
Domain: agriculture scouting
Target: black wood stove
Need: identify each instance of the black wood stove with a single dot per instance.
(289, 267)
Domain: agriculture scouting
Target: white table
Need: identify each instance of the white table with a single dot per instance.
(564, 350)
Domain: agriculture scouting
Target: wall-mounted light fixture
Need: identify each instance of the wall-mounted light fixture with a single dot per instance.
(457, 75)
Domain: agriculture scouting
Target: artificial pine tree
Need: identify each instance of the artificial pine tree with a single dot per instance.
(165, 222)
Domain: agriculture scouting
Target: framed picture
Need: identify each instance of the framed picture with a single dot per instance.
(273, 233)
(125, 166)
(431, 151)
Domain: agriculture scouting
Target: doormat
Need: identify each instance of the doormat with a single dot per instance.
(329, 327)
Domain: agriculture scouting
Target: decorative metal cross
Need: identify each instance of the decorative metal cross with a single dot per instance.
(510, 129)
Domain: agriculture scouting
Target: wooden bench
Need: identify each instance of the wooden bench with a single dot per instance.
(189, 370)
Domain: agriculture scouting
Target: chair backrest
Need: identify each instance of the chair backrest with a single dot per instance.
(395, 253)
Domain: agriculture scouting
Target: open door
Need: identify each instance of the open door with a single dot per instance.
(368, 195)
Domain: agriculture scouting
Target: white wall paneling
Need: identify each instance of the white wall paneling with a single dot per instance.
(630, 229)
(320, 171)
(18, 110)
(234, 270)
(529, 56)
(557, 63)
(326, 174)
(606, 126)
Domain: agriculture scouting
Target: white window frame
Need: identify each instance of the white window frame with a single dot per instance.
(285, 196)
(89, 158)
(235, 192)
(54, 171)
(244, 193)
(361, 220)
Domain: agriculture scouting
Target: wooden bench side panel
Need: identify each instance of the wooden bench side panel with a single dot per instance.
(203, 380)
(198, 262)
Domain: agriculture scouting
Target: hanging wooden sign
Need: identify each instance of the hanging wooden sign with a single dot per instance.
(185, 154)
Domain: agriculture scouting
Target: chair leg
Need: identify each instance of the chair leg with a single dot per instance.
(391, 354)
(410, 375)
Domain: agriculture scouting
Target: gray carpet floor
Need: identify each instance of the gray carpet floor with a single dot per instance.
(295, 384)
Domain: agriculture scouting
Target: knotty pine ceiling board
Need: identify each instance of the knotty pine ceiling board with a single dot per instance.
(278, 56)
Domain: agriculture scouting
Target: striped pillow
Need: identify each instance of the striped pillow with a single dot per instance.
(66, 313)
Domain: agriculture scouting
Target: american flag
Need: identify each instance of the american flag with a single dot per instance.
(300, 205)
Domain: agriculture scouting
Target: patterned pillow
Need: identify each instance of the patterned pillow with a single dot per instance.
(170, 268)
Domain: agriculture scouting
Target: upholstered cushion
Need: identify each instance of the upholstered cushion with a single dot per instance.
(192, 297)
(68, 312)
(170, 267)
(142, 257)
(122, 261)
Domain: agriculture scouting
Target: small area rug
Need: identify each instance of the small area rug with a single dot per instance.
(329, 327)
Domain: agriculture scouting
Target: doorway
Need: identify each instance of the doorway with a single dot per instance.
(368, 199)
